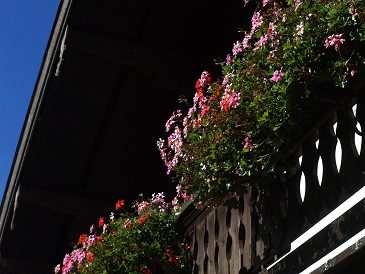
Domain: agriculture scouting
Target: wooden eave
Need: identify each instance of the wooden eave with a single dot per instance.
(111, 76)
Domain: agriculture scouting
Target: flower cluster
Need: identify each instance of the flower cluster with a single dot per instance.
(238, 128)
(145, 242)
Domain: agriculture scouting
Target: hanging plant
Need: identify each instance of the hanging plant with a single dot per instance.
(238, 127)
(147, 242)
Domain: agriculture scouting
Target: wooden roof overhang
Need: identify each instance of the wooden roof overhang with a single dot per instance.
(111, 76)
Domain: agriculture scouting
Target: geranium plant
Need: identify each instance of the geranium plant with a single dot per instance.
(148, 241)
(239, 127)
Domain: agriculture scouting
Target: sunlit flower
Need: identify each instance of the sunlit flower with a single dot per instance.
(82, 238)
(245, 41)
(261, 42)
(277, 75)
(171, 120)
(256, 21)
(101, 222)
(298, 3)
(237, 48)
(300, 29)
(89, 256)
(230, 99)
(119, 204)
(248, 144)
(142, 206)
(142, 218)
(158, 198)
(334, 40)
(228, 59)
(57, 268)
(264, 2)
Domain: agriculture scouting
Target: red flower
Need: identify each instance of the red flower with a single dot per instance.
(119, 204)
(89, 256)
(82, 238)
(98, 239)
(218, 93)
(101, 222)
(146, 271)
(129, 225)
(172, 258)
(143, 218)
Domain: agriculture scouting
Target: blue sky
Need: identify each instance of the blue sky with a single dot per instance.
(25, 26)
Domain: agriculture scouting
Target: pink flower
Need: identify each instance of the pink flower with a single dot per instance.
(57, 269)
(175, 140)
(201, 83)
(276, 13)
(67, 264)
(264, 2)
(78, 255)
(298, 3)
(204, 79)
(171, 120)
(162, 149)
(284, 18)
(178, 191)
(158, 198)
(272, 34)
(261, 42)
(199, 205)
(271, 29)
(228, 59)
(334, 40)
(142, 206)
(187, 197)
(248, 144)
(300, 29)
(256, 22)
(277, 75)
(90, 241)
(230, 99)
(175, 204)
(226, 78)
(245, 41)
(237, 48)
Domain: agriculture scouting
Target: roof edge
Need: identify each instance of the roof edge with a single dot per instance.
(48, 66)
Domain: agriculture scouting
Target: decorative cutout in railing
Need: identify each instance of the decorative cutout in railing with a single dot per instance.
(330, 168)
(221, 240)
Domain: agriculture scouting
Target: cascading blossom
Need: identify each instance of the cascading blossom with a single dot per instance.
(239, 127)
(256, 22)
(230, 99)
(124, 245)
(237, 48)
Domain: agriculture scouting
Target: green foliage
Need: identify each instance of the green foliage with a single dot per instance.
(239, 127)
(148, 241)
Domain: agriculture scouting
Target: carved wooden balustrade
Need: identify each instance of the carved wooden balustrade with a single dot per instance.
(330, 163)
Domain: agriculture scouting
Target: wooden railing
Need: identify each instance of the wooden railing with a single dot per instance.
(330, 163)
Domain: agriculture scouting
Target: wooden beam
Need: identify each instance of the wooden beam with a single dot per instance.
(117, 50)
(64, 203)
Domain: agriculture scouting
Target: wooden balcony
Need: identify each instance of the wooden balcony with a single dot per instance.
(330, 162)
(112, 73)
